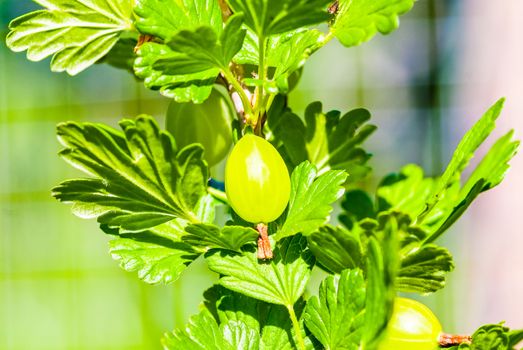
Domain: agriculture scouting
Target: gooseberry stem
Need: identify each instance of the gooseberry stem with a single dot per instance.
(446, 340)
(264, 244)
(296, 326)
(229, 76)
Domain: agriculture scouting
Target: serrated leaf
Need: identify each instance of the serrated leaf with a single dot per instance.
(281, 280)
(310, 200)
(205, 236)
(202, 49)
(157, 255)
(335, 249)
(337, 315)
(272, 320)
(270, 17)
(164, 18)
(358, 21)
(357, 205)
(465, 151)
(423, 269)
(493, 337)
(327, 140)
(494, 165)
(406, 191)
(76, 33)
(286, 52)
(226, 305)
(193, 87)
(277, 331)
(139, 178)
(203, 333)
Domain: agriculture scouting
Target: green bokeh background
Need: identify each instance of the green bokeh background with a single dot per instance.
(60, 289)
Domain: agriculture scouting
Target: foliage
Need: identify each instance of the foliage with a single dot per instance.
(155, 200)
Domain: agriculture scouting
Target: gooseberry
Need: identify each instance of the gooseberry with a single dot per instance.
(412, 326)
(208, 124)
(257, 182)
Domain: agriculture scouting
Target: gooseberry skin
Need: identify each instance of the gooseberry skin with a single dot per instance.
(208, 124)
(257, 182)
(412, 326)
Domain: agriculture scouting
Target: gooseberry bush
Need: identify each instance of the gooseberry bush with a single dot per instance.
(228, 67)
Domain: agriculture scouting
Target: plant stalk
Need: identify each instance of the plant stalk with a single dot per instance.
(264, 244)
(446, 340)
(236, 85)
(296, 326)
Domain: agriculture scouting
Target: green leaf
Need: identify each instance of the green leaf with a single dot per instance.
(277, 333)
(201, 49)
(335, 249)
(358, 21)
(270, 17)
(281, 280)
(139, 178)
(494, 165)
(155, 258)
(488, 174)
(310, 200)
(493, 337)
(226, 305)
(515, 337)
(286, 53)
(336, 317)
(203, 333)
(406, 191)
(272, 320)
(187, 87)
(204, 237)
(357, 205)
(423, 269)
(164, 18)
(326, 140)
(122, 54)
(77, 34)
(382, 267)
(465, 151)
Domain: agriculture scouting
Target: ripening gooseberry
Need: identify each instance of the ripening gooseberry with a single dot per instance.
(412, 326)
(208, 124)
(257, 182)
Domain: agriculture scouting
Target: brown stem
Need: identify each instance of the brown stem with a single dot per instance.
(226, 11)
(264, 244)
(142, 39)
(447, 340)
(333, 8)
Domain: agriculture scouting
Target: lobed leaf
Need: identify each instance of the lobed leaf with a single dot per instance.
(493, 337)
(195, 87)
(155, 258)
(423, 269)
(336, 249)
(206, 236)
(139, 179)
(281, 280)
(286, 53)
(202, 49)
(327, 140)
(270, 17)
(164, 18)
(336, 317)
(76, 33)
(358, 21)
(310, 200)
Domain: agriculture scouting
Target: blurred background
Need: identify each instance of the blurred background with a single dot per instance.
(425, 85)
